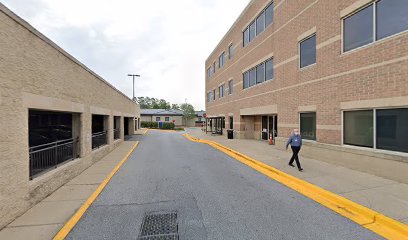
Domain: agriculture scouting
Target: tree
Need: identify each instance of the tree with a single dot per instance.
(175, 106)
(152, 103)
(188, 111)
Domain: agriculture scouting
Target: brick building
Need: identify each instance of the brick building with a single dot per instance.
(336, 69)
(57, 117)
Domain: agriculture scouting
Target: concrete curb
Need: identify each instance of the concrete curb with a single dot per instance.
(368, 218)
(66, 229)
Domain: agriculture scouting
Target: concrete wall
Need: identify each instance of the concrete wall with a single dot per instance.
(37, 74)
(372, 76)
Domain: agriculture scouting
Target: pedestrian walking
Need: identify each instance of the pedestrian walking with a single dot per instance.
(295, 141)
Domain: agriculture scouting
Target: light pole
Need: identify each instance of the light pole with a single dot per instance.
(133, 75)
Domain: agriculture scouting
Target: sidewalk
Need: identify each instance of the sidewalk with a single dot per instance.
(382, 195)
(46, 218)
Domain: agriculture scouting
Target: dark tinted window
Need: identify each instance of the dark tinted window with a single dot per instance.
(269, 69)
(392, 129)
(358, 29)
(358, 128)
(230, 51)
(308, 52)
(392, 17)
(246, 37)
(308, 125)
(252, 77)
(246, 80)
(230, 86)
(252, 32)
(269, 15)
(260, 73)
(260, 23)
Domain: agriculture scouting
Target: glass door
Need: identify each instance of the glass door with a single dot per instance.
(264, 129)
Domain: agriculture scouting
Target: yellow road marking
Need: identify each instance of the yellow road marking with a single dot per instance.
(77, 216)
(370, 219)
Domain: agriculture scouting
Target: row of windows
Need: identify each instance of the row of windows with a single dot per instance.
(221, 91)
(376, 21)
(259, 74)
(259, 24)
(221, 61)
(166, 119)
(375, 128)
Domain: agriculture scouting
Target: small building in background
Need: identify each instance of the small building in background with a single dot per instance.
(172, 115)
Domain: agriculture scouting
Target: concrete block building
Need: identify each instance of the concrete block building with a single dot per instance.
(335, 69)
(172, 115)
(57, 117)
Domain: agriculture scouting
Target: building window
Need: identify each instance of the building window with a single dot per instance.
(269, 15)
(231, 122)
(213, 68)
(269, 69)
(246, 37)
(259, 24)
(392, 129)
(221, 91)
(158, 119)
(358, 29)
(308, 51)
(260, 73)
(167, 119)
(252, 77)
(213, 94)
(221, 60)
(308, 125)
(358, 128)
(209, 72)
(246, 80)
(378, 20)
(252, 31)
(230, 87)
(230, 52)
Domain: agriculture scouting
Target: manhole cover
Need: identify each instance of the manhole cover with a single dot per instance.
(159, 226)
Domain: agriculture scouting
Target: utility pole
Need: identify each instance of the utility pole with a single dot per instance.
(133, 75)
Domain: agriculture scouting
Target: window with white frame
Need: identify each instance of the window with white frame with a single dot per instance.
(230, 51)
(221, 91)
(258, 25)
(307, 50)
(374, 22)
(259, 74)
(221, 60)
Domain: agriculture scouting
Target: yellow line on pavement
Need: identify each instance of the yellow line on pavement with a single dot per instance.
(77, 216)
(370, 219)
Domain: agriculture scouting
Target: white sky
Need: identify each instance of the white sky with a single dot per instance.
(166, 42)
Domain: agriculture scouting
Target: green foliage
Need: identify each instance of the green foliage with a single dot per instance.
(175, 106)
(152, 103)
(188, 111)
(168, 125)
(179, 129)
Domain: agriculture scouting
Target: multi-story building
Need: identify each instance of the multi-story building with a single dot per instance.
(57, 117)
(335, 69)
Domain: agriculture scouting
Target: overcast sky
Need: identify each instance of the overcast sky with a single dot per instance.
(166, 42)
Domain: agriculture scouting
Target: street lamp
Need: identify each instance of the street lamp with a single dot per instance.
(133, 75)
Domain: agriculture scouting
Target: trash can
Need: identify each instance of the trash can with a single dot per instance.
(230, 133)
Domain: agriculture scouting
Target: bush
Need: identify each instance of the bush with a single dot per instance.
(179, 129)
(166, 125)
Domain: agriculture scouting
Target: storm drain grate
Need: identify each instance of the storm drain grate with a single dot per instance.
(159, 226)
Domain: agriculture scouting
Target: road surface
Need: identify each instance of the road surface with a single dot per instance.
(213, 195)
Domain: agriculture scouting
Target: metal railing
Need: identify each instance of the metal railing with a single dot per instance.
(116, 134)
(99, 139)
(46, 156)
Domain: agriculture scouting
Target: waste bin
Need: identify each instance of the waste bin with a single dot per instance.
(230, 133)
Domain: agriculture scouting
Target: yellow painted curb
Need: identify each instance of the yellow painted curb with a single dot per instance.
(64, 231)
(370, 219)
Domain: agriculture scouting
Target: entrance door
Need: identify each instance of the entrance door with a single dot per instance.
(273, 126)
(265, 128)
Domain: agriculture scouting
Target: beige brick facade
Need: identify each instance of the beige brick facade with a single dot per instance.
(373, 76)
(36, 74)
